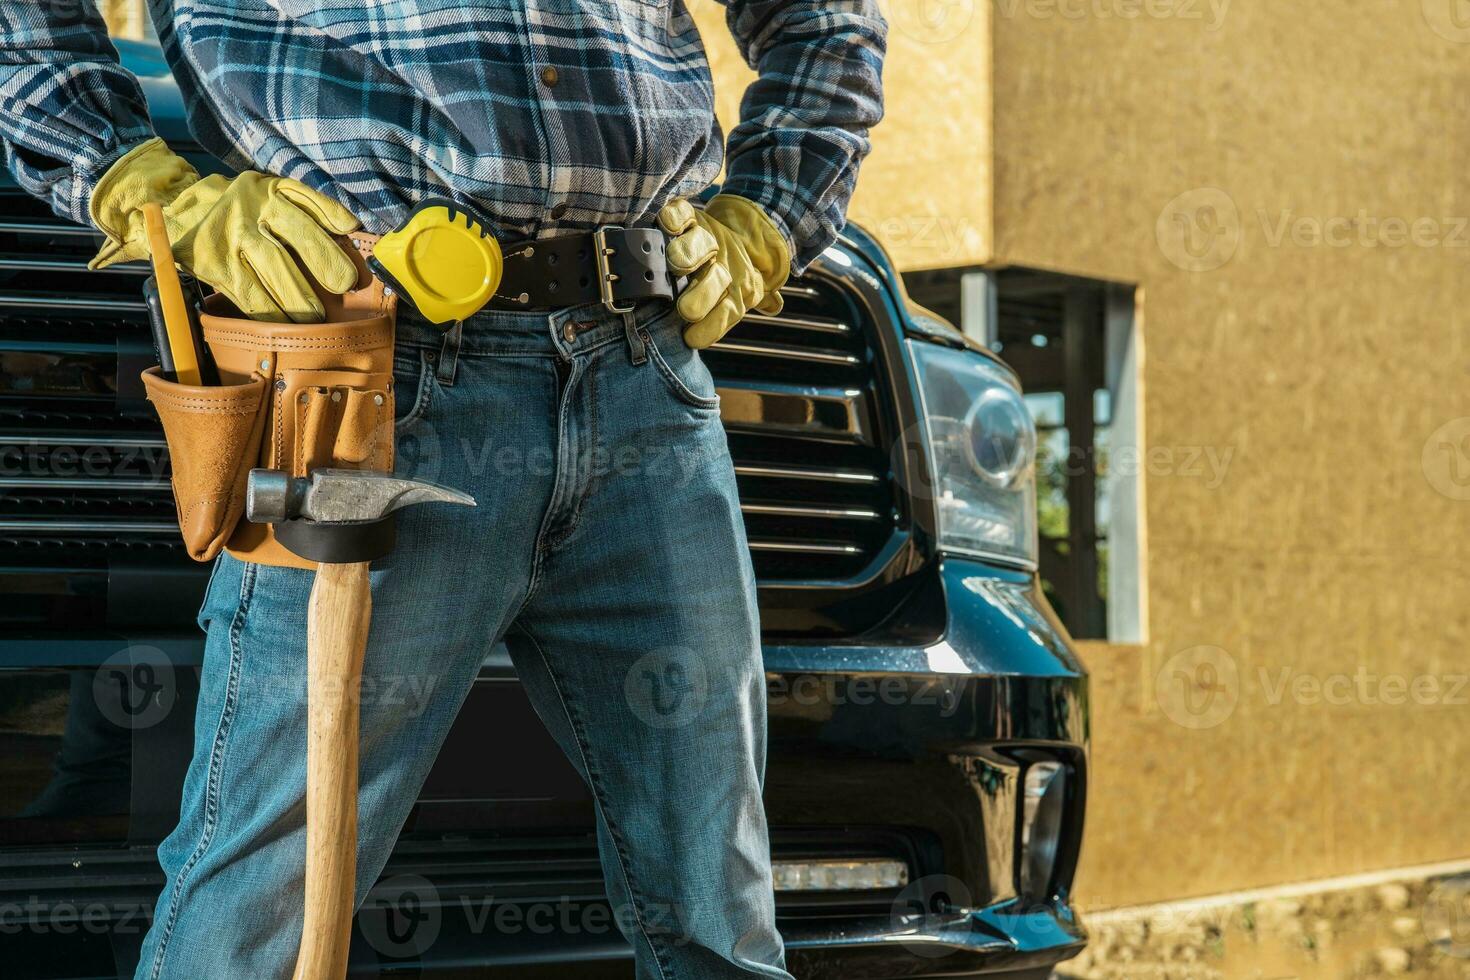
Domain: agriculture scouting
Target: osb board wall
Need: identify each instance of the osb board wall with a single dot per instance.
(925, 188)
(1290, 182)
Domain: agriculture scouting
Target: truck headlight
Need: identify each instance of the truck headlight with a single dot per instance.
(981, 453)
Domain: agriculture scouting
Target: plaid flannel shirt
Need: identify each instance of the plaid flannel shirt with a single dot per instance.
(549, 115)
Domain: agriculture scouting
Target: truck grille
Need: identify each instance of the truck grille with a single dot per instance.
(798, 399)
(84, 471)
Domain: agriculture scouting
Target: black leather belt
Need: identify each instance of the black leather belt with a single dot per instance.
(617, 267)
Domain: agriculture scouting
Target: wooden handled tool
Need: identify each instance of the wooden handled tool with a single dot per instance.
(341, 519)
(336, 637)
(183, 347)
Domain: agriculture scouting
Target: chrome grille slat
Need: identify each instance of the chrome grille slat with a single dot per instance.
(10, 264)
(72, 440)
(776, 407)
(795, 510)
(92, 304)
(750, 349)
(42, 526)
(798, 291)
(806, 547)
(47, 228)
(836, 327)
(56, 345)
(118, 483)
(805, 473)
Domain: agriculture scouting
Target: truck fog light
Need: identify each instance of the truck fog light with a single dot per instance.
(1042, 809)
(839, 876)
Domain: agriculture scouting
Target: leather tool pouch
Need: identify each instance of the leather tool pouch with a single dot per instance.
(292, 396)
(214, 436)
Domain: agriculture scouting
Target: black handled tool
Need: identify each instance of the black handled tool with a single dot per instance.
(162, 346)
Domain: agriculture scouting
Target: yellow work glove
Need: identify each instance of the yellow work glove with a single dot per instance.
(736, 260)
(249, 237)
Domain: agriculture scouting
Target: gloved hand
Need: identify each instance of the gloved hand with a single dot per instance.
(736, 260)
(233, 234)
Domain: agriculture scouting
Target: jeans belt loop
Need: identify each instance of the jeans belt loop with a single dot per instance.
(449, 354)
(637, 350)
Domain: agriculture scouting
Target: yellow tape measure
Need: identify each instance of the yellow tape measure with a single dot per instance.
(443, 259)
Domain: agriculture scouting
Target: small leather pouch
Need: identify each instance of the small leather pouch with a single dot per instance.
(214, 436)
(324, 398)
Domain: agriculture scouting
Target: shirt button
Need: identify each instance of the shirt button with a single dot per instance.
(559, 211)
(550, 76)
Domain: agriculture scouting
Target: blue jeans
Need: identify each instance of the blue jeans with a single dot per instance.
(607, 551)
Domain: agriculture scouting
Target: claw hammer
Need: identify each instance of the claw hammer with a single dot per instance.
(341, 519)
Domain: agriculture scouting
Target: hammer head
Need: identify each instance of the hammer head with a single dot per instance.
(336, 496)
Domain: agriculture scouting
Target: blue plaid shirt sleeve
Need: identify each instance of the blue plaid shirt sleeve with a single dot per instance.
(68, 109)
(804, 121)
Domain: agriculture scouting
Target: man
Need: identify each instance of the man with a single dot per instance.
(617, 582)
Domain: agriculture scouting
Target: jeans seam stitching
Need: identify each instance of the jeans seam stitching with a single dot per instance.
(420, 397)
(544, 543)
(216, 765)
(589, 376)
(601, 796)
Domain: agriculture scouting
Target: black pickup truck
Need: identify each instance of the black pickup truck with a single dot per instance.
(928, 751)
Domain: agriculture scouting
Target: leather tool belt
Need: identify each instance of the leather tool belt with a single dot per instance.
(617, 267)
(292, 396)
(295, 397)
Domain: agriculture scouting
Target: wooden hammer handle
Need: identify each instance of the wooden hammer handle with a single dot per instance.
(336, 636)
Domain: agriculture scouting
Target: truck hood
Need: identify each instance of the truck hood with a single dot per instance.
(165, 104)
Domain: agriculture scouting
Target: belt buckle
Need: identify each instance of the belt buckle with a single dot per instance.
(605, 276)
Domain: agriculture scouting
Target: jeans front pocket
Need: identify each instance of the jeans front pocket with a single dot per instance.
(682, 369)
